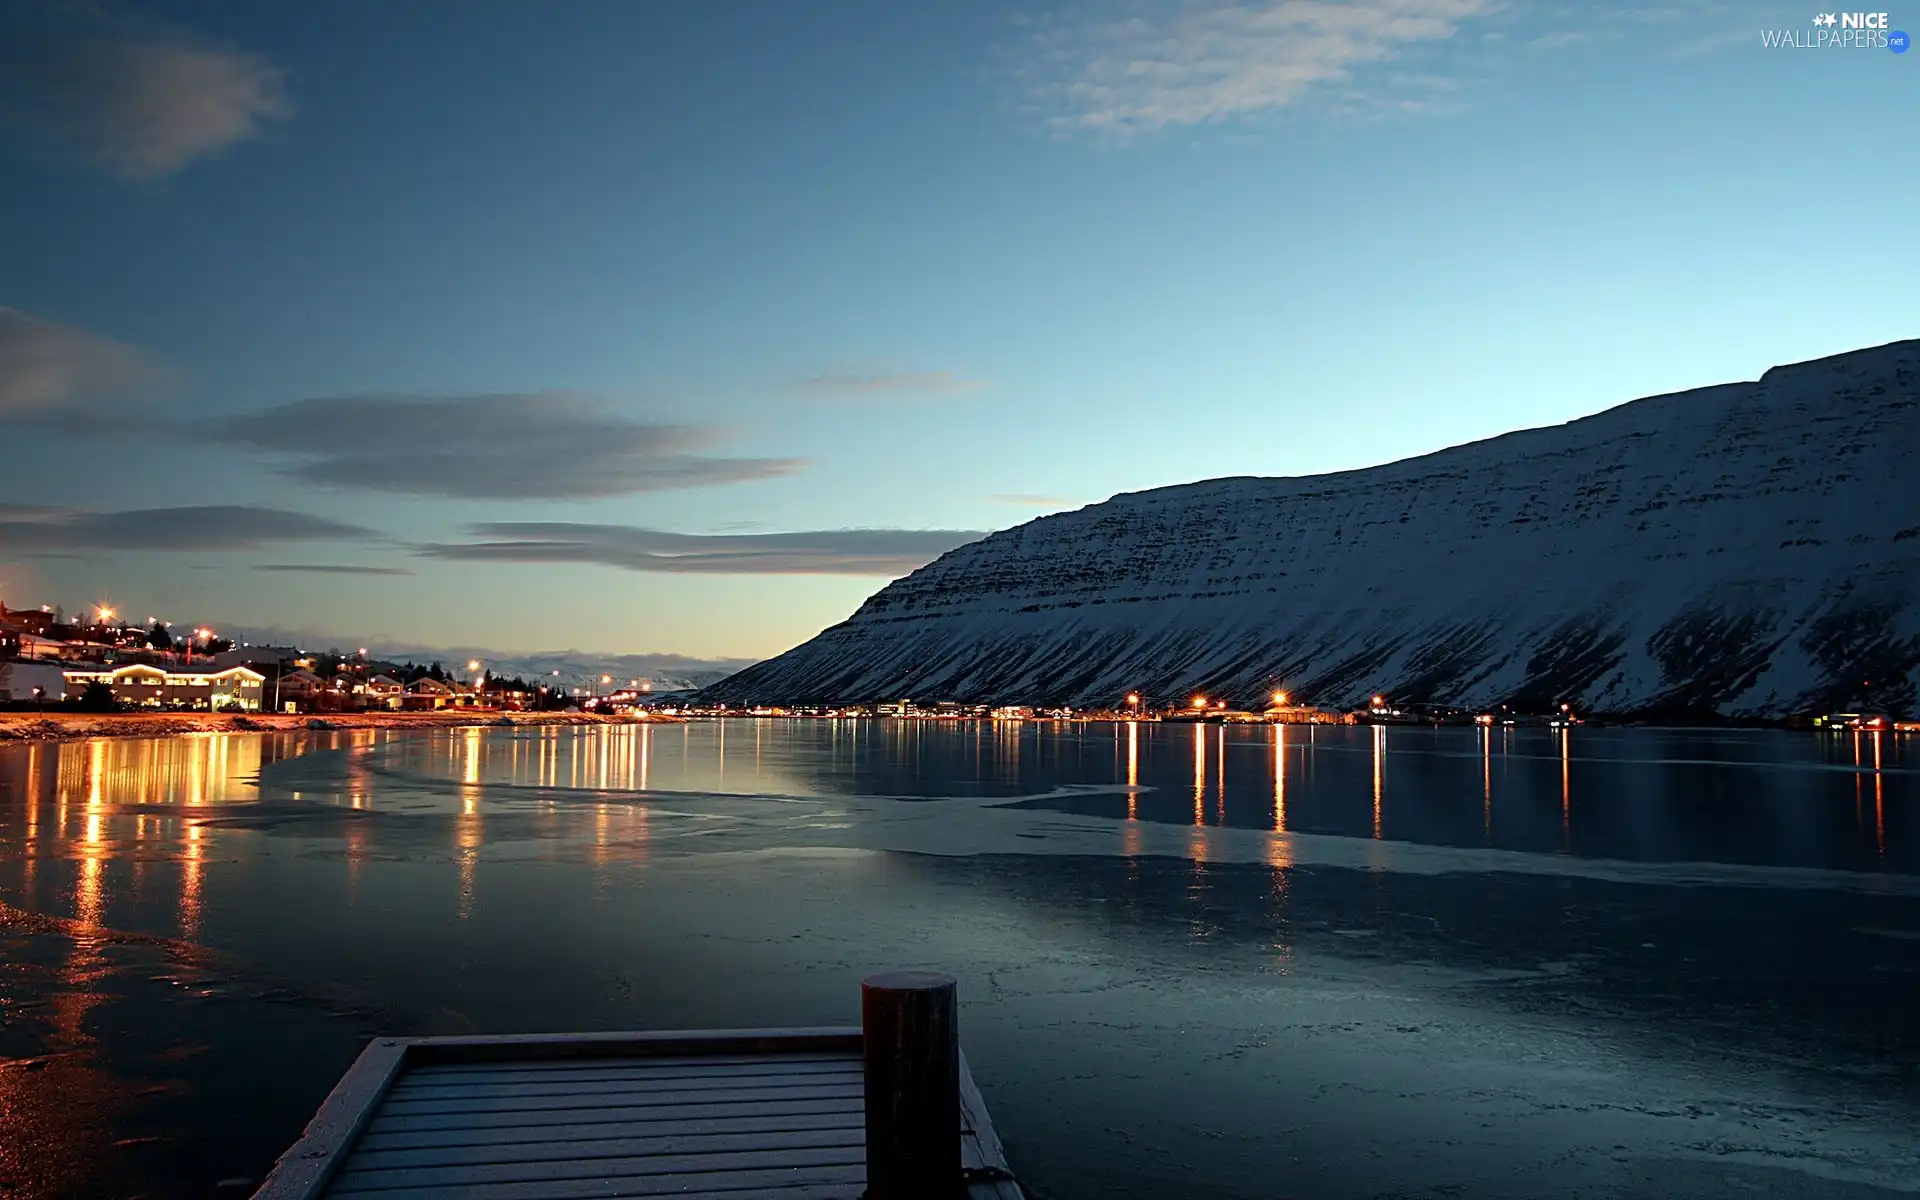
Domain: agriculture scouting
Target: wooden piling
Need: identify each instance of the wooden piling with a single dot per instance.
(911, 1041)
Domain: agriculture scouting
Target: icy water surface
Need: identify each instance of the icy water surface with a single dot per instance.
(1194, 961)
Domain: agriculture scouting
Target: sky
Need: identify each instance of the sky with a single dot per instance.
(683, 327)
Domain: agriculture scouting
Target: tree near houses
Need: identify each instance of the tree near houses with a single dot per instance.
(97, 698)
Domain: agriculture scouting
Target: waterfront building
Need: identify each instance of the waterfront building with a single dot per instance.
(144, 685)
(427, 692)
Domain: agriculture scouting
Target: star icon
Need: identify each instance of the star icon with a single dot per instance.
(1824, 19)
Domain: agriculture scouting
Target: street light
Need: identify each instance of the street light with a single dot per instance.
(1279, 699)
(1199, 701)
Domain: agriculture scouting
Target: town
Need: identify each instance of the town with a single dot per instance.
(97, 661)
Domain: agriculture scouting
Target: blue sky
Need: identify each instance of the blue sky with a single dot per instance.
(600, 325)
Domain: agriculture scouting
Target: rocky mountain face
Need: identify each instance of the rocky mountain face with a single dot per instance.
(1750, 550)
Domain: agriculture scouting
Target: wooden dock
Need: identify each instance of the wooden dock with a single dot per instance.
(725, 1113)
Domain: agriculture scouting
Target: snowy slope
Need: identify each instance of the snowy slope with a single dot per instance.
(1752, 548)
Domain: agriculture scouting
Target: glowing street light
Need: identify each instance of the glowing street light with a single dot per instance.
(1279, 698)
(473, 664)
(1379, 701)
(1199, 701)
(105, 614)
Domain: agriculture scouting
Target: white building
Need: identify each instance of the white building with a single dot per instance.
(149, 686)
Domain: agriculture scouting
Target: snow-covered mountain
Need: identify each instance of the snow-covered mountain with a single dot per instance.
(1751, 549)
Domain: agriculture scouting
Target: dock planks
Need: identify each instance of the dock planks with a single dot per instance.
(727, 1114)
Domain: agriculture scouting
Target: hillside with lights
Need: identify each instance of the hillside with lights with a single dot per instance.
(1750, 550)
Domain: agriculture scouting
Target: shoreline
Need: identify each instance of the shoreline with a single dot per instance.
(59, 725)
(74, 727)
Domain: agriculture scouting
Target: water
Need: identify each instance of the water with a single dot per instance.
(1194, 961)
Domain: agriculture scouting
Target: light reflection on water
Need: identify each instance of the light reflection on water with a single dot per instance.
(1832, 802)
(483, 860)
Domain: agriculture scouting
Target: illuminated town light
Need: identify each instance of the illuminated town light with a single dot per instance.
(1279, 697)
(1199, 701)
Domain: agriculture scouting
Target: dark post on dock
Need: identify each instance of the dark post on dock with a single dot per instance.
(910, 1028)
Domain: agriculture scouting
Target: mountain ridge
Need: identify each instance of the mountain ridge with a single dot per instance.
(1741, 550)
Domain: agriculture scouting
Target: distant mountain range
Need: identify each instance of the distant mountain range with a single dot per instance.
(1747, 550)
(576, 668)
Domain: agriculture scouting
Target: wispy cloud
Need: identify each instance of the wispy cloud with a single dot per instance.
(516, 446)
(876, 552)
(331, 569)
(1721, 40)
(138, 101)
(876, 383)
(1033, 500)
(45, 366)
(1559, 39)
(1185, 65)
(26, 528)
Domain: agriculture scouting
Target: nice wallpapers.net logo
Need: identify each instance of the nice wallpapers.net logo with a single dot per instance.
(1839, 31)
